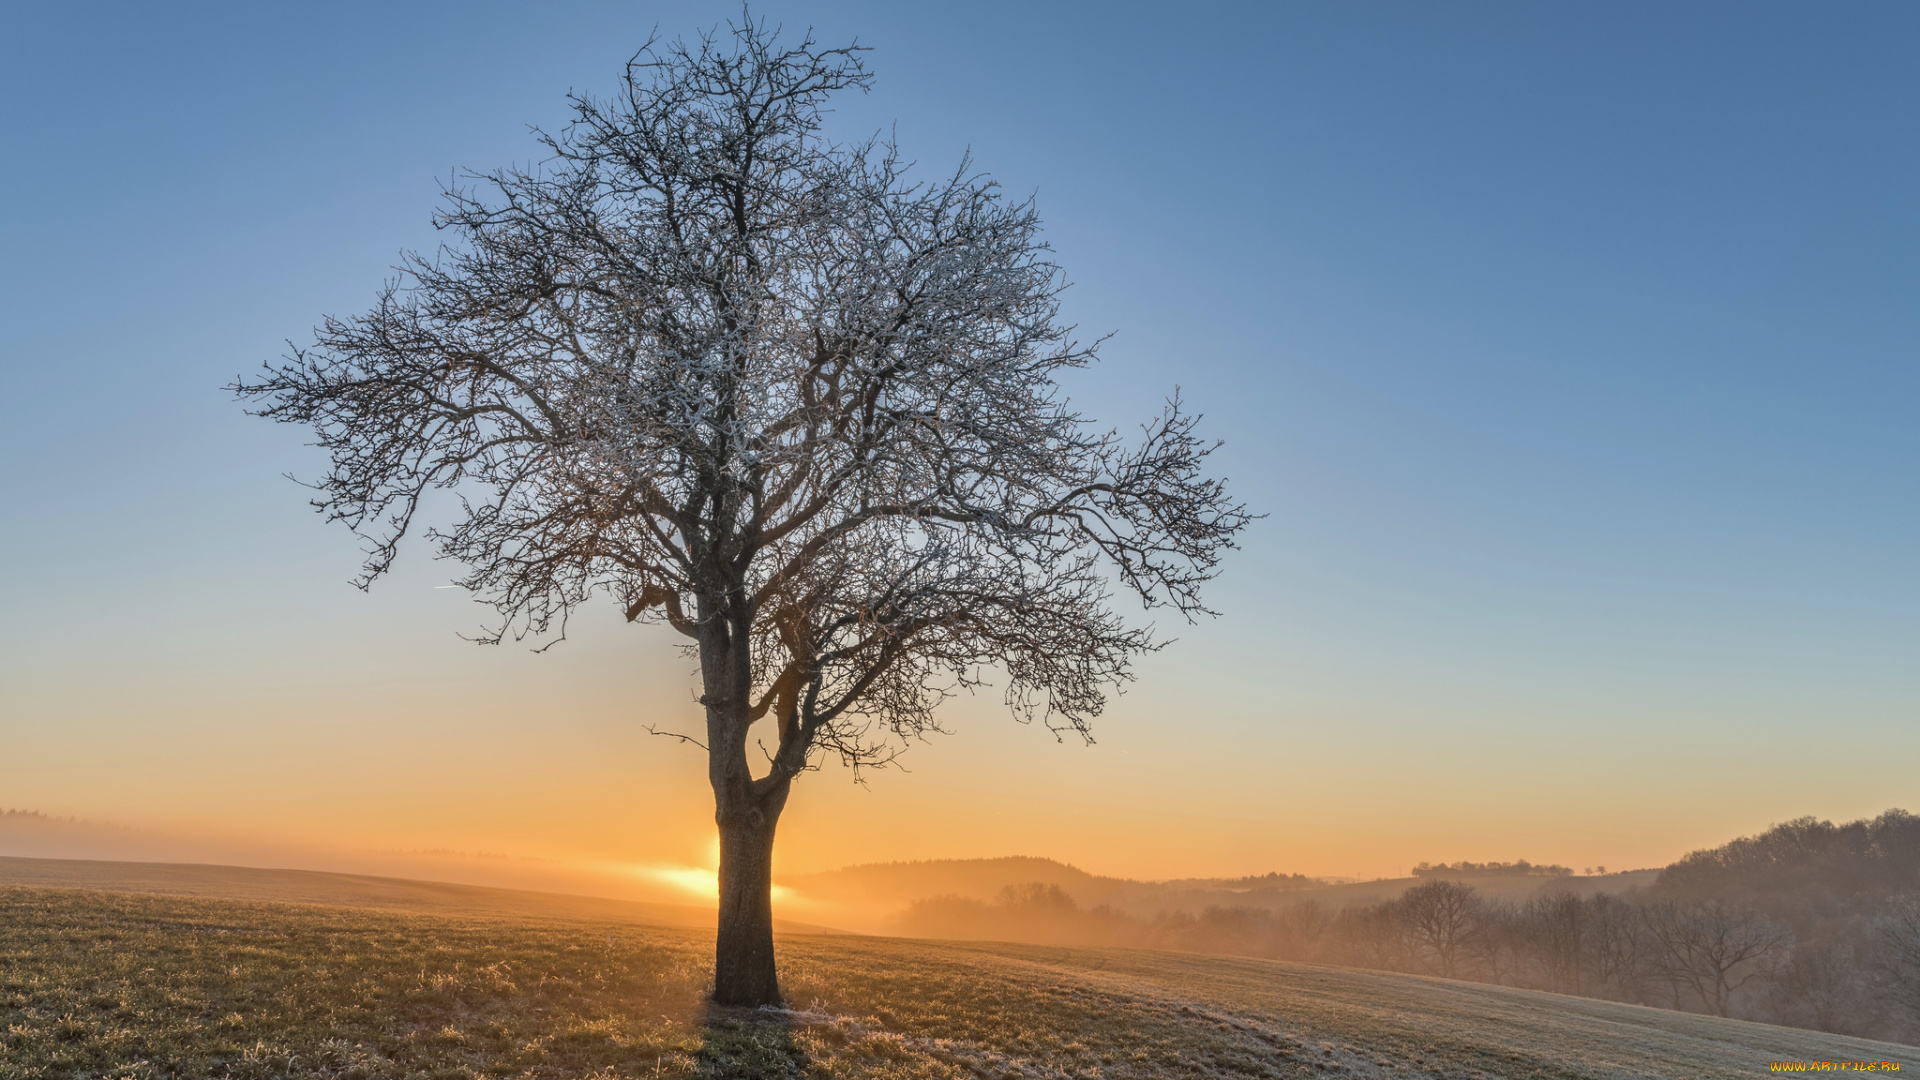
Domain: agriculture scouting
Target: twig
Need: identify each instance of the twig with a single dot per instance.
(651, 730)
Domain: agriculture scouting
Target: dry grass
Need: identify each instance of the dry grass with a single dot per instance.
(96, 983)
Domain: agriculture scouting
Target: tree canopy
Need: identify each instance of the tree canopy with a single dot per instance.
(775, 391)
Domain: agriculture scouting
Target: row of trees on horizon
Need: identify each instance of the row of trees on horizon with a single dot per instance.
(1809, 924)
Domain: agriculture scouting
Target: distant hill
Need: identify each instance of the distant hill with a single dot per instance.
(1809, 923)
(1806, 871)
(883, 890)
(897, 884)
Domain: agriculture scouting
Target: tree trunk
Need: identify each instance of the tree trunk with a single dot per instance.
(746, 811)
(743, 971)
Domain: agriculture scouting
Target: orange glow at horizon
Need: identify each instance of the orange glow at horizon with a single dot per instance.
(441, 746)
(700, 882)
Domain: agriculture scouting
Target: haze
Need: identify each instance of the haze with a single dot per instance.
(1570, 351)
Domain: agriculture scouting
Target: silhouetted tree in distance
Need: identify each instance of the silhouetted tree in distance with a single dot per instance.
(1897, 933)
(1824, 986)
(1713, 948)
(1557, 929)
(767, 389)
(1456, 871)
(1614, 946)
(1441, 918)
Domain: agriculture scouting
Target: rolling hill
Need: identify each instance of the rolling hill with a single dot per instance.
(873, 893)
(101, 982)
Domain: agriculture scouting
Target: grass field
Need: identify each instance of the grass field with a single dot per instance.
(102, 983)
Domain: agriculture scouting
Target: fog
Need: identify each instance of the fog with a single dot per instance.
(34, 835)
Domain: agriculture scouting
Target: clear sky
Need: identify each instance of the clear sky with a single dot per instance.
(1570, 348)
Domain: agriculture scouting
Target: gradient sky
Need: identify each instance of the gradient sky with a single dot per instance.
(1571, 349)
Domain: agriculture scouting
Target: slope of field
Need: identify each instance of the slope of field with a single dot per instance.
(100, 983)
(352, 890)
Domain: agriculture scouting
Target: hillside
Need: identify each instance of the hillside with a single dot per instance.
(1808, 924)
(878, 892)
(1806, 871)
(94, 982)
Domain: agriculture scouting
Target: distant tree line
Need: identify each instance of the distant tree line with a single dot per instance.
(34, 815)
(1523, 868)
(1271, 881)
(1809, 924)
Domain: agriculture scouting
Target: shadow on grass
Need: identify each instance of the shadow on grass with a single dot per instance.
(749, 1044)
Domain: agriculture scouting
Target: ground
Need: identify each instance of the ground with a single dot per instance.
(103, 983)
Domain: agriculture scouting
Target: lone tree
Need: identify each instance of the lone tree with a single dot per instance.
(765, 388)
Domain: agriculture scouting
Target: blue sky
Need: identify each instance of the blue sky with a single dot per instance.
(1571, 350)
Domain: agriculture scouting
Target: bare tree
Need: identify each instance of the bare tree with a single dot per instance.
(1825, 987)
(1303, 926)
(1441, 918)
(1613, 945)
(1499, 943)
(765, 388)
(1897, 933)
(1557, 925)
(1370, 936)
(1713, 948)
